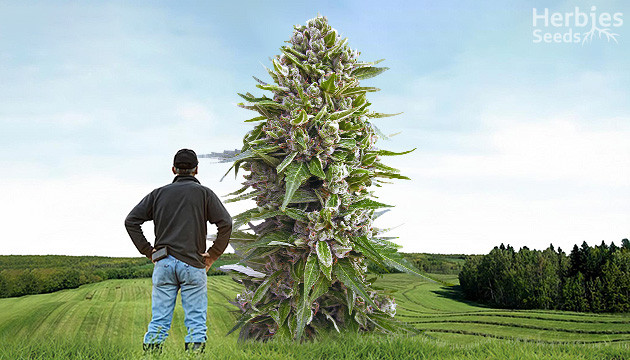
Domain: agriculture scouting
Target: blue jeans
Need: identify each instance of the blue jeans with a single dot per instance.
(170, 275)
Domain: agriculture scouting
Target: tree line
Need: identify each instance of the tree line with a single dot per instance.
(37, 274)
(428, 263)
(589, 279)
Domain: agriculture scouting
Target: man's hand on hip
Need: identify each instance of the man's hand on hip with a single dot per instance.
(152, 253)
(208, 260)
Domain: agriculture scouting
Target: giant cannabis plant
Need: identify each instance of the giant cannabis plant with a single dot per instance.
(311, 161)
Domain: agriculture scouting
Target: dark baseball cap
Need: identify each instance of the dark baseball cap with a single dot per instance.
(185, 159)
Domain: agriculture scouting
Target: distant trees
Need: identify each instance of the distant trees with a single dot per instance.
(595, 279)
(428, 263)
(37, 274)
(33, 274)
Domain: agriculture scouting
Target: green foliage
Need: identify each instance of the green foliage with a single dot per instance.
(36, 274)
(595, 279)
(311, 161)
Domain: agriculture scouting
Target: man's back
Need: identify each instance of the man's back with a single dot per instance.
(180, 211)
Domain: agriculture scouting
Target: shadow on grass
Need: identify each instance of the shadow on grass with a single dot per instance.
(456, 293)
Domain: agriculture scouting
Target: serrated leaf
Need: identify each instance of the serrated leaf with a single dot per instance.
(287, 160)
(241, 321)
(332, 201)
(272, 87)
(347, 143)
(325, 258)
(311, 272)
(296, 174)
(350, 299)
(296, 214)
(294, 60)
(320, 288)
(242, 236)
(297, 270)
(280, 69)
(368, 204)
(303, 196)
(292, 323)
(249, 195)
(283, 311)
(395, 260)
(328, 85)
(227, 172)
(252, 215)
(257, 118)
(367, 248)
(238, 192)
(340, 155)
(315, 167)
(263, 287)
(251, 98)
(329, 101)
(267, 238)
(340, 115)
(330, 38)
(322, 113)
(346, 273)
(260, 81)
(389, 175)
(351, 91)
(379, 213)
(260, 253)
(268, 159)
(392, 153)
(385, 168)
(300, 137)
(380, 115)
(282, 243)
(300, 119)
(368, 63)
(293, 52)
(359, 100)
(368, 72)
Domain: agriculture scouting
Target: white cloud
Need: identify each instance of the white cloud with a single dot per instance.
(543, 182)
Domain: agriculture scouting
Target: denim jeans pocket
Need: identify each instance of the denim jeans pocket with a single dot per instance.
(162, 273)
(196, 276)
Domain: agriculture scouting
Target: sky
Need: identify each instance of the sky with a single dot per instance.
(518, 142)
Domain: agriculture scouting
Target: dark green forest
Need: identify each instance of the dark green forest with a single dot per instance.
(589, 279)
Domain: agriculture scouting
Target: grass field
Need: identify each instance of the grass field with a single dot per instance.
(107, 321)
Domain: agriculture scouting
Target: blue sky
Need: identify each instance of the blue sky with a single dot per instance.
(518, 142)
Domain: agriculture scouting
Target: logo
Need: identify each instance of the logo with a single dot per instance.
(577, 27)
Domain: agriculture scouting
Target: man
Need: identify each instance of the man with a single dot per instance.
(179, 211)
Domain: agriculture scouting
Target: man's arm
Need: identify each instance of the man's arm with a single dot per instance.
(141, 213)
(218, 215)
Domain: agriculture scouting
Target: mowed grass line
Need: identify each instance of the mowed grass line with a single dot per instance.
(439, 310)
(107, 321)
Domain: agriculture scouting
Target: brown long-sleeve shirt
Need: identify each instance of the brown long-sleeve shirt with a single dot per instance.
(180, 212)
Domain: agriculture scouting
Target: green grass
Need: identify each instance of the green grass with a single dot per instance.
(107, 321)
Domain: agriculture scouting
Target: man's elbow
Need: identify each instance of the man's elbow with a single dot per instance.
(227, 223)
(130, 224)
